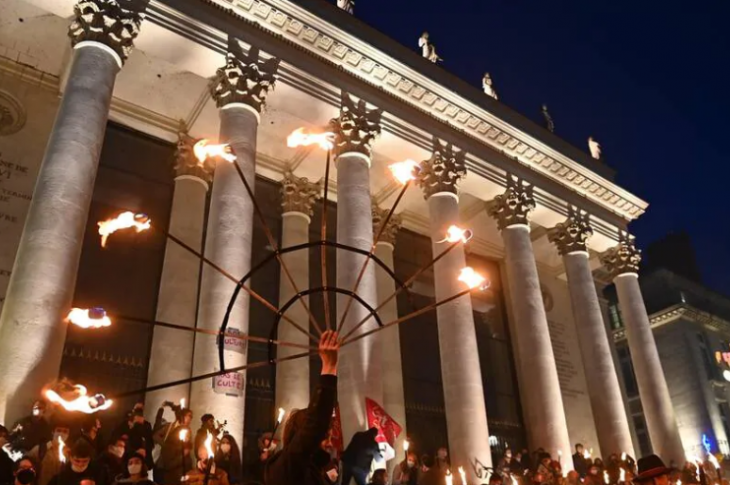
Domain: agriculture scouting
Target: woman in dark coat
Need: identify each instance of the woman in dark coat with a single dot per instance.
(228, 458)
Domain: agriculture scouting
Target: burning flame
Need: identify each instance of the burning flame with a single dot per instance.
(61, 447)
(405, 171)
(84, 318)
(182, 403)
(696, 461)
(82, 403)
(406, 445)
(455, 234)
(125, 220)
(183, 434)
(622, 475)
(623, 456)
(300, 138)
(12, 454)
(605, 478)
(586, 454)
(203, 151)
(462, 475)
(280, 418)
(713, 460)
(209, 446)
(449, 478)
(472, 279)
(514, 480)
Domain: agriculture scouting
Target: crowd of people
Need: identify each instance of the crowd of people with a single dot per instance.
(57, 448)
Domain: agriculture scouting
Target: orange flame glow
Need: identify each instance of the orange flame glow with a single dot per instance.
(280, 418)
(605, 478)
(449, 478)
(209, 446)
(406, 445)
(125, 220)
(182, 403)
(82, 403)
(183, 434)
(203, 151)
(462, 475)
(622, 475)
(61, 447)
(85, 318)
(300, 138)
(455, 233)
(713, 460)
(472, 279)
(405, 171)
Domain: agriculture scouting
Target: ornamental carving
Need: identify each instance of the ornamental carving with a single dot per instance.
(622, 259)
(357, 126)
(185, 161)
(12, 114)
(573, 234)
(114, 23)
(391, 229)
(245, 78)
(298, 194)
(514, 206)
(442, 171)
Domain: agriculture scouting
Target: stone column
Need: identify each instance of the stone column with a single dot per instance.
(239, 90)
(614, 435)
(622, 262)
(171, 357)
(360, 366)
(292, 378)
(393, 398)
(41, 287)
(461, 375)
(544, 403)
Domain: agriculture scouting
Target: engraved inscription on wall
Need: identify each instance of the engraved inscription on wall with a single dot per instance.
(567, 372)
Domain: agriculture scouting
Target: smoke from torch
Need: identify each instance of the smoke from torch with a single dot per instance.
(125, 220)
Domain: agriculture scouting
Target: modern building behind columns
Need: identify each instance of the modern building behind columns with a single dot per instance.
(102, 120)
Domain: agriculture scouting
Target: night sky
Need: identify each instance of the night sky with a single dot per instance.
(648, 79)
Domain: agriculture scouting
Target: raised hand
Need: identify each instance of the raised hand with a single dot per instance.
(329, 349)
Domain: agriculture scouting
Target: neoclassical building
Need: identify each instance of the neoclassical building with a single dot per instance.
(100, 102)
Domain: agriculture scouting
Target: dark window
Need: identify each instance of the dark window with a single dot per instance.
(627, 371)
(615, 316)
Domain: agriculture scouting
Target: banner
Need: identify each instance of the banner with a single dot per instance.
(231, 384)
(232, 343)
(388, 430)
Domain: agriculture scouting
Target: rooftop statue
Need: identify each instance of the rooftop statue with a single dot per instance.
(346, 5)
(488, 86)
(594, 147)
(428, 50)
(549, 123)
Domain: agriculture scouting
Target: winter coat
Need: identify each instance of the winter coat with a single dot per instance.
(217, 477)
(97, 473)
(172, 458)
(362, 450)
(433, 476)
(580, 464)
(122, 480)
(402, 475)
(296, 464)
(114, 464)
(231, 467)
(50, 466)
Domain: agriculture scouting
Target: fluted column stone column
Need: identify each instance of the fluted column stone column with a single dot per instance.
(393, 397)
(360, 364)
(41, 287)
(461, 375)
(544, 404)
(171, 356)
(292, 378)
(622, 262)
(240, 90)
(570, 238)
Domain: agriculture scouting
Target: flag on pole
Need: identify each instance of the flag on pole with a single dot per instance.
(388, 429)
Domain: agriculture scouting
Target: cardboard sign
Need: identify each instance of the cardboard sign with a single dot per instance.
(231, 384)
(234, 344)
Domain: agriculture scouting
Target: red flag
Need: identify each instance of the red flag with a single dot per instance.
(336, 431)
(388, 429)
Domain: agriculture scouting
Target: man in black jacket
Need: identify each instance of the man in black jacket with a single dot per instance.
(306, 430)
(359, 455)
(81, 468)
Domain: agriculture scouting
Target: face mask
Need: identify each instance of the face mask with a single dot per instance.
(225, 448)
(332, 475)
(135, 469)
(79, 469)
(25, 476)
(411, 464)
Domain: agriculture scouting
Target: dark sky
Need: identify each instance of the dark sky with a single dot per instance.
(649, 79)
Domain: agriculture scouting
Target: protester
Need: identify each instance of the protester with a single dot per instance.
(175, 456)
(32, 431)
(306, 429)
(25, 472)
(580, 464)
(80, 467)
(204, 474)
(359, 455)
(228, 459)
(207, 426)
(380, 477)
(90, 429)
(406, 472)
(442, 460)
(135, 472)
(594, 476)
(51, 464)
(430, 474)
(265, 448)
(140, 434)
(652, 469)
(113, 457)
(6, 464)
(573, 478)
(505, 465)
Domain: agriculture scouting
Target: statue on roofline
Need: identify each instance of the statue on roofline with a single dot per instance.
(428, 50)
(488, 86)
(594, 147)
(549, 123)
(347, 5)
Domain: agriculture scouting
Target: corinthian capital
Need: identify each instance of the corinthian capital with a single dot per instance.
(442, 171)
(114, 23)
(572, 235)
(298, 194)
(245, 78)
(622, 259)
(391, 229)
(514, 206)
(357, 126)
(185, 161)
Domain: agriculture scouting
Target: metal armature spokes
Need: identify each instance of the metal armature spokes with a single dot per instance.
(405, 172)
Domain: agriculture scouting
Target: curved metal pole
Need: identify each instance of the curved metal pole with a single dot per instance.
(323, 237)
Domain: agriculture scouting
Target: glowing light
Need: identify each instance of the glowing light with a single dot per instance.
(622, 475)
(706, 444)
(300, 138)
(183, 434)
(182, 403)
(449, 478)
(472, 279)
(586, 454)
(405, 171)
(462, 475)
(514, 480)
(713, 460)
(280, 418)
(493, 441)
(455, 234)
(61, 447)
(203, 151)
(12, 454)
(623, 456)
(125, 220)
(406, 445)
(605, 478)
(209, 446)
(83, 403)
(85, 318)
(726, 375)
(696, 461)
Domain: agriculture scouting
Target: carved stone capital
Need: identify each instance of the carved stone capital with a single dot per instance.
(298, 194)
(114, 23)
(572, 235)
(185, 161)
(514, 206)
(391, 229)
(245, 78)
(357, 126)
(442, 171)
(622, 259)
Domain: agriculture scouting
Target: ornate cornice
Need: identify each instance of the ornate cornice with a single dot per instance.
(298, 194)
(675, 312)
(357, 126)
(114, 23)
(622, 259)
(245, 78)
(442, 171)
(185, 161)
(573, 234)
(514, 206)
(390, 234)
(363, 60)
